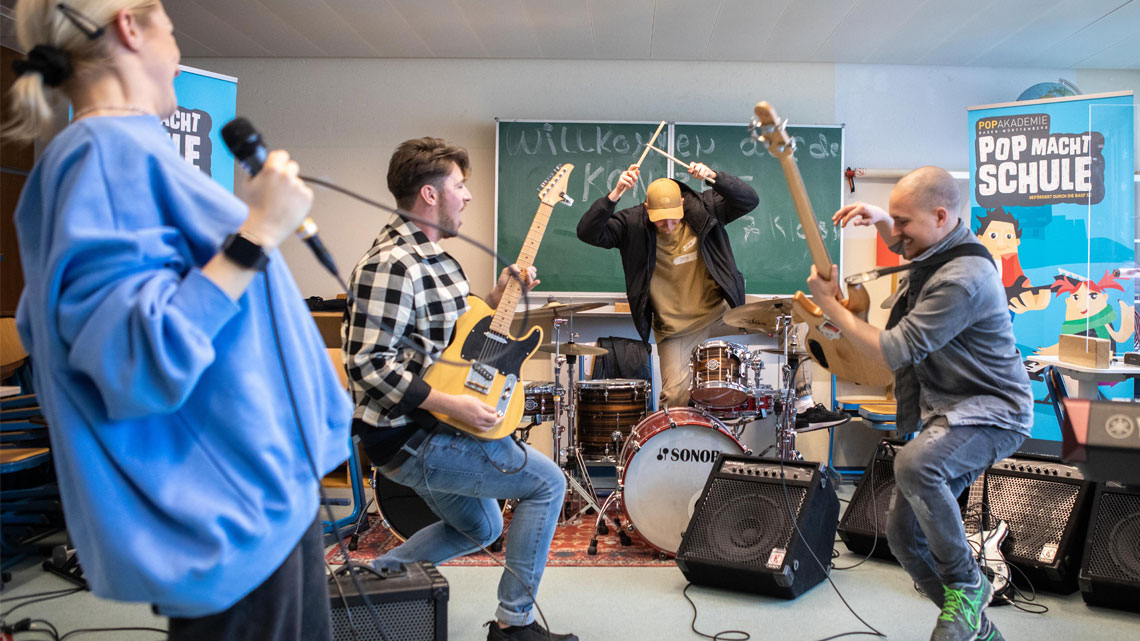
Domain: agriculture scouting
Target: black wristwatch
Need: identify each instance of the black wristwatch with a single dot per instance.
(244, 252)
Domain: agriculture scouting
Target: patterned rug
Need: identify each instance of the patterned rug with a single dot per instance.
(569, 548)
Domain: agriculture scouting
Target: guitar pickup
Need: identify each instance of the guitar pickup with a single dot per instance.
(480, 377)
(830, 330)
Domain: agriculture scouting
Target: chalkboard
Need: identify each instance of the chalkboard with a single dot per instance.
(768, 244)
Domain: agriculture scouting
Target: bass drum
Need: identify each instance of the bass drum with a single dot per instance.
(666, 462)
(401, 509)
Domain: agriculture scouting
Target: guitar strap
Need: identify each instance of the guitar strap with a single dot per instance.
(907, 412)
(921, 271)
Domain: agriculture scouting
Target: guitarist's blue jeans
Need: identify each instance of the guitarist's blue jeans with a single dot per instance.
(460, 477)
(924, 526)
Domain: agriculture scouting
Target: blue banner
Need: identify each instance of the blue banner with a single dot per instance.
(1052, 198)
(206, 101)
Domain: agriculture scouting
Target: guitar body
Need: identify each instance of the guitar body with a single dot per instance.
(987, 545)
(490, 371)
(828, 347)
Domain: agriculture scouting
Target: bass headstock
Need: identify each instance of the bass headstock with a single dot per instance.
(770, 130)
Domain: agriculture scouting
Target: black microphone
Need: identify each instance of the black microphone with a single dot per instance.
(246, 145)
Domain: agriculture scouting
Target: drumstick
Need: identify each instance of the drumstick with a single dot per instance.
(652, 140)
(678, 161)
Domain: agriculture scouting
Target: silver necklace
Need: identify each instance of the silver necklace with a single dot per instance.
(127, 108)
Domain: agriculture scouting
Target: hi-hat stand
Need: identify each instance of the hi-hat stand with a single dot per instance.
(569, 458)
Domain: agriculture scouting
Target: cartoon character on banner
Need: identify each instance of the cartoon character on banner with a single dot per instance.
(1000, 233)
(1088, 312)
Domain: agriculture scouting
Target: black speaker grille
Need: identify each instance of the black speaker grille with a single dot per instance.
(407, 621)
(1115, 538)
(743, 521)
(869, 516)
(1037, 510)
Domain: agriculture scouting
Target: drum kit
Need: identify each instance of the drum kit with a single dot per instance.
(661, 459)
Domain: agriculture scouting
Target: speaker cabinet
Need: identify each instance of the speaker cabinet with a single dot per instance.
(410, 606)
(1110, 567)
(863, 528)
(1046, 505)
(758, 524)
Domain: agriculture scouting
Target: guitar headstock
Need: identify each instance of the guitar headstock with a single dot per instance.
(771, 130)
(553, 189)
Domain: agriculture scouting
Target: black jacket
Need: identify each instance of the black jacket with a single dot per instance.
(636, 238)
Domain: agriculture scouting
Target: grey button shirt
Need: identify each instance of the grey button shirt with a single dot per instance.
(954, 352)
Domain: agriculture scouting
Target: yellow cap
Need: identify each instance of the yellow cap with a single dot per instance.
(663, 200)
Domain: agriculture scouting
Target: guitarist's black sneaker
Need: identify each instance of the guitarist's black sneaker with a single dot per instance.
(987, 631)
(531, 632)
(818, 418)
(963, 605)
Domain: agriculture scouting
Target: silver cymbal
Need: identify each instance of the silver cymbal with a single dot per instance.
(759, 316)
(555, 309)
(573, 349)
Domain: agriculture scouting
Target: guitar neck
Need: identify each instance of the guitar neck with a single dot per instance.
(818, 250)
(505, 312)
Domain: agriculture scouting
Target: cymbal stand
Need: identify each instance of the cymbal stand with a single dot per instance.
(583, 488)
(786, 419)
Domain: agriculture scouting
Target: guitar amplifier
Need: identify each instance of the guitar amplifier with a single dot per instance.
(863, 528)
(1046, 505)
(761, 525)
(410, 606)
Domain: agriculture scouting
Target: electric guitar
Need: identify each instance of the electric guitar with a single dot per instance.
(484, 359)
(825, 341)
(986, 544)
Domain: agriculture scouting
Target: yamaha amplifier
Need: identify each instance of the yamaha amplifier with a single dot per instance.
(409, 606)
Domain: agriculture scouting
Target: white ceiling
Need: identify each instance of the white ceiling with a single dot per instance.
(1078, 34)
(1085, 34)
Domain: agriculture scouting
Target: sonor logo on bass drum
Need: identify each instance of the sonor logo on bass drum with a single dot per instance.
(687, 455)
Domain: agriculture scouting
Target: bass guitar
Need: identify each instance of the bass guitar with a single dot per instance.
(825, 341)
(484, 359)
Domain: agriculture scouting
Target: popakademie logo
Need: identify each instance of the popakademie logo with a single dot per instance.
(189, 130)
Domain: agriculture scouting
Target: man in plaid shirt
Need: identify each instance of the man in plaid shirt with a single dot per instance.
(408, 294)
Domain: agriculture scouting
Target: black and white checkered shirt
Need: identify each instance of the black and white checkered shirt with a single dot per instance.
(409, 292)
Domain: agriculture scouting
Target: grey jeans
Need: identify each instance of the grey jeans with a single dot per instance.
(924, 527)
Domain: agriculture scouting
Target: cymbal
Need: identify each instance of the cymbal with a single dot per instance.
(573, 349)
(555, 309)
(779, 351)
(759, 316)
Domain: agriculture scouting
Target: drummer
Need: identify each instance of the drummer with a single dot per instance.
(680, 272)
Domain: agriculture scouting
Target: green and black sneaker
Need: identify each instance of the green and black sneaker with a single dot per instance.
(987, 631)
(962, 608)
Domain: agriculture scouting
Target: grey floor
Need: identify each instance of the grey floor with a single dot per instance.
(604, 603)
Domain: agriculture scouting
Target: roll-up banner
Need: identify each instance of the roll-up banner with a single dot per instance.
(1052, 197)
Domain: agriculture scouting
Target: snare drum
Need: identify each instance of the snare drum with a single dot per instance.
(755, 406)
(664, 467)
(720, 378)
(607, 411)
(539, 404)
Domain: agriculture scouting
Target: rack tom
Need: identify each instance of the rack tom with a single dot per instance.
(720, 375)
(538, 406)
